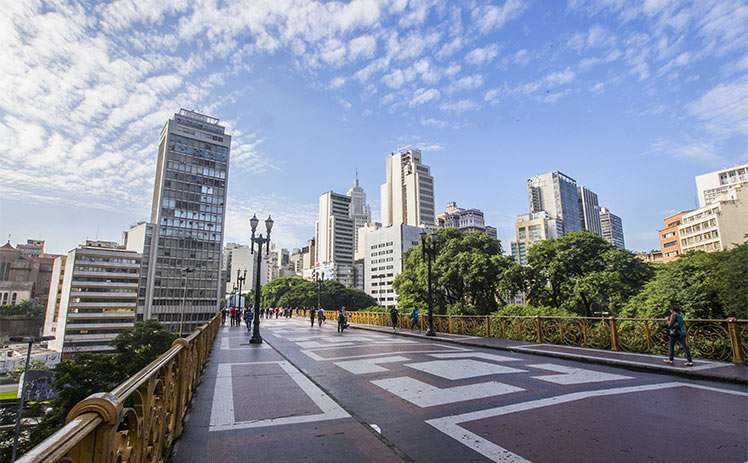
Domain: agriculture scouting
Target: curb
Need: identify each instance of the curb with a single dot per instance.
(580, 358)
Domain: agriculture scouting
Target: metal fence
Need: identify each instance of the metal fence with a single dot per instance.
(140, 419)
(725, 340)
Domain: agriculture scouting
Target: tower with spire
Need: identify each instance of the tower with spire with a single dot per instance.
(359, 211)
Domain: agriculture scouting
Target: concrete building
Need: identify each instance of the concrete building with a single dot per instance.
(308, 259)
(718, 226)
(25, 272)
(589, 211)
(296, 262)
(612, 228)
(189, 201)
(92, 297)
(651, 256)
(359, 211)
(242, 259)
(334, 238)
(712, 184)
(383, 259)
(670, 237)
(530, 229)
(556, 194)
(408, 195)
(468, 220)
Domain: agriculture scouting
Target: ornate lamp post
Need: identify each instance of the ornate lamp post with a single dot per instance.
(318, 278)
(429, 251)
(240, 278)
(259, 240)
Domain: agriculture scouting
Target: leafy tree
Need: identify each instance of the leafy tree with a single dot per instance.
(583, 273)
(730, 281)
(466, 272)
(29, 308)
(522, 310)
(298, 292)
(139, 346)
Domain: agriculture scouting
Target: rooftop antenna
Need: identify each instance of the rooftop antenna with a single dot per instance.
(356, 183)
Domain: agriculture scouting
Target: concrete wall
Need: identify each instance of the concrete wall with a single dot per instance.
(20, 325)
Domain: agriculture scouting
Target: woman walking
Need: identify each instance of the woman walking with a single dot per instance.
(676, 328)
(312, 313)
(342, 320)
(394, 318)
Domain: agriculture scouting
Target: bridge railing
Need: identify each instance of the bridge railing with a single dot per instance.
(724, 340)
(140, 419)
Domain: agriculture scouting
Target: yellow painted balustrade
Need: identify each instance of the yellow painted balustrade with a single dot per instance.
(141, 418)
(725, 340)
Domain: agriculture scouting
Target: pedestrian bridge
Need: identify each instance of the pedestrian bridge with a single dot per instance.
(309, 393)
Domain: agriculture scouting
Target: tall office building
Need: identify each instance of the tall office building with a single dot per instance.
(589, 211)
(556, 194)
(359, 211)
(189, 201)
(612, 228)
(468, 220)
(711, 185)
(530, 229)
(383, 259)
(408, 196)
(92, 297)
(334, 238)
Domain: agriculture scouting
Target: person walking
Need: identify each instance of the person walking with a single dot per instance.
(342, 320)
(248, 317)
(312, 313)
(232, 316)
(320, 317)
(394, 318)
(676, 328)
(223, 316)
(414, 319)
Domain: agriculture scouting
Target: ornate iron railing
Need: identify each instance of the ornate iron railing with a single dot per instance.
(725, 340)
(140, 419)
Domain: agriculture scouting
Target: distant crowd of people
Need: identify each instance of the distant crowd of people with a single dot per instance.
(236, 314)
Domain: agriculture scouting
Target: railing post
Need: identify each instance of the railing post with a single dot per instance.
(100, 445)
(737, 347)
(613, 333)
(488, 326)
(182, 378)
(449, 324)
(539, 328)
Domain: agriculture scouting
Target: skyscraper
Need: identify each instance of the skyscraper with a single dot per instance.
(360, 212)
(589, 210)
(408, 196)
(556, 194)
(334, 238)
(530, 229)
(612, 228)
(189, 200)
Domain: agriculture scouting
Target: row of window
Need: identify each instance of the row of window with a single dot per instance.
(699, 226)
(196, 170)
(8, 297)
(710, 235)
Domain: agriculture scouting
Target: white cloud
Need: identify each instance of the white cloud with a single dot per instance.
(394, 79)
(492, 17)
(337, 82)
(479, 56)
(424, 95)
(362, 46)
(459, 106)
(467, 83)
(431, 122)
(699, 151)
(724, 108)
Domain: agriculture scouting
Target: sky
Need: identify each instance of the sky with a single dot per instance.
(630, 98)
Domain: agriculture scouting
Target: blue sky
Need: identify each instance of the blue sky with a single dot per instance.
(632, 99)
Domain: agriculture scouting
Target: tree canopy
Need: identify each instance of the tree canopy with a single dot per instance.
(295, 291)
(466, 274)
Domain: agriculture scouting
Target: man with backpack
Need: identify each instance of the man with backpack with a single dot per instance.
(414, 319)
(676, 327)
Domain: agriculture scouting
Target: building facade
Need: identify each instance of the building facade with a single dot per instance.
(468, 220)
(92, 298)
(359, 211)
(612, 228)
(25, 272)
(241, 258)
(670, 237)
(556, 194)
(383, 260)
(589, 211)
(334, 238)
(530, 229)
(407, 197)
(188, 212)
(709, 186)
(718, 226)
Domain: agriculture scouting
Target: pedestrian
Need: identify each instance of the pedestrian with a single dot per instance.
(223, 316)
(342, 320)
(312, 313)
(394, 318)
(676, 328)
(320, 316)
(248, 316)
(232, 316)
(414, 317)
(277, 312)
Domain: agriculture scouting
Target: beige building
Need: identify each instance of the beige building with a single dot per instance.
(92, 297)
(718, 226)
(530, 229)
(408, 195)
(709, 186)
(334, 238)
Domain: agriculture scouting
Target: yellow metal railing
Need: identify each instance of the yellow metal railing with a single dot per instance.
(140, 419)
(725, 340)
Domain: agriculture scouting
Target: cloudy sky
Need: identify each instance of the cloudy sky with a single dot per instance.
(632, 99)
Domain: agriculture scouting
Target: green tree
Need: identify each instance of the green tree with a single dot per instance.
(142, 344)
(297, 292)
(466, 272)
(730, 281)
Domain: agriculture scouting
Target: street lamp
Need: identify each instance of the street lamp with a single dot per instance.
(240, 279)
(185, 271)
(259, 240)
(429, 251)
(318, 278)
(30, 340)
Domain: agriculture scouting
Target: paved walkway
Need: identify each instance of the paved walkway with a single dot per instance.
(702, 369)
(311, 394)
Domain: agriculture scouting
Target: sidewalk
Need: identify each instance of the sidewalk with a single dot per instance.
(702, 369)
